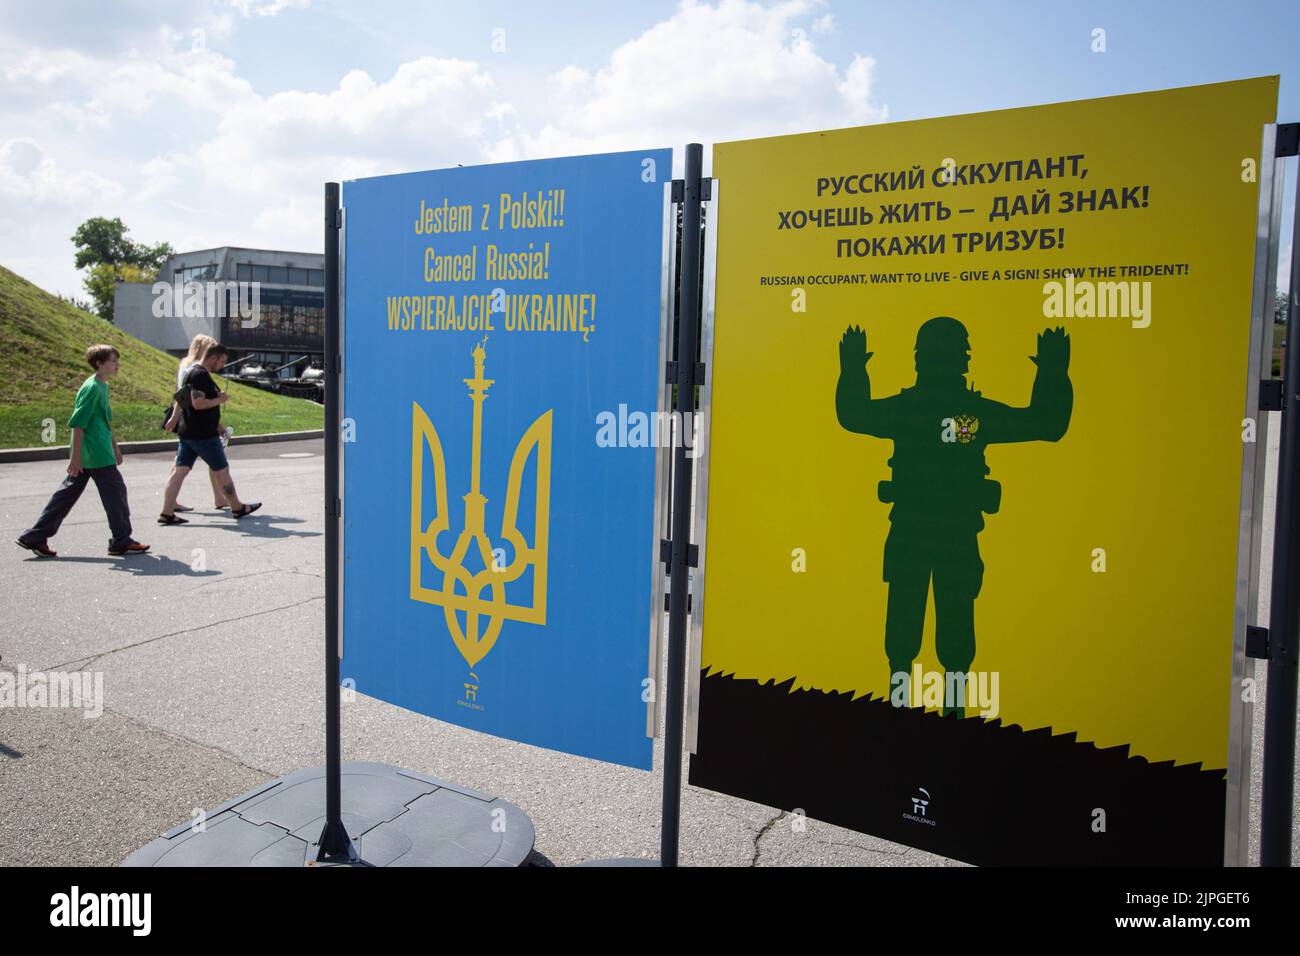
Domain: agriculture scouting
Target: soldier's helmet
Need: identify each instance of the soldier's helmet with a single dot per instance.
(942, 347)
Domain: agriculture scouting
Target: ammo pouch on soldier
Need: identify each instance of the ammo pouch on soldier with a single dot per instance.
(987, 495)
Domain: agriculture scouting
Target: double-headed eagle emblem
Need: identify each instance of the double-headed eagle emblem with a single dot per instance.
(965, 427)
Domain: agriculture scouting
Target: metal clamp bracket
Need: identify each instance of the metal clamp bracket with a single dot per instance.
(1288, 139)
(1257, 642)
(679, 190)
(666, 554)
(673, 371)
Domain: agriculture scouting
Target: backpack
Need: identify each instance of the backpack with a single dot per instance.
(180, 397)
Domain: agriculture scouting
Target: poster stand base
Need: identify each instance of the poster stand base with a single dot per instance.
(394, 818)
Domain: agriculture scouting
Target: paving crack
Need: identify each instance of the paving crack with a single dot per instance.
(191, 630)
(273, 569)
(190, 740)
(756, 850)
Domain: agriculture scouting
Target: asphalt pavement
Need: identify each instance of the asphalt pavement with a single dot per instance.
(211, 650)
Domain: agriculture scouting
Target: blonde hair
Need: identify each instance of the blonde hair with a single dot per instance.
(200, 345)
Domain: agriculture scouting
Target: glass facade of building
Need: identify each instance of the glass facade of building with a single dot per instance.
(287, 319)
(279, 275)
(199, 273)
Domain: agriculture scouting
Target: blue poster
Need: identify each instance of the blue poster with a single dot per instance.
(501, 329)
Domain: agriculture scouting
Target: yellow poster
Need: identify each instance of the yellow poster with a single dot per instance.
(974, 474)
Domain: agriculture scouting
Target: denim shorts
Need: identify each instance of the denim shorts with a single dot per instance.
(209, 449)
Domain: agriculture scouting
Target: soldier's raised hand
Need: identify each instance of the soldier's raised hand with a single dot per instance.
(1053, 350)
(853, 348)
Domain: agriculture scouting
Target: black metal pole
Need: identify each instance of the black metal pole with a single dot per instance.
(688, 322)
(1280, 707)
(334, 843)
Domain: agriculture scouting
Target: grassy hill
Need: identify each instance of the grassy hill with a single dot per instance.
(42, 362)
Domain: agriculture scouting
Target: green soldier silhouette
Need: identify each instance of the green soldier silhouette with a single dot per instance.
(940, 491)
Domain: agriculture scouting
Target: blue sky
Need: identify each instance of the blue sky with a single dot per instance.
(211, 122)
(934, 59)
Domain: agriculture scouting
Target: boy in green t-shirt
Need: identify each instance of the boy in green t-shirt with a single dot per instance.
(95, 455)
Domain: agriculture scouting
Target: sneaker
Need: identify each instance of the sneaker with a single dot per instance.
(135, 547)
(41, 550)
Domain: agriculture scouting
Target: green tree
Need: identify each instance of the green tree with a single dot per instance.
(102, 240)
(151, 258)
(103, 276)
(109, 256)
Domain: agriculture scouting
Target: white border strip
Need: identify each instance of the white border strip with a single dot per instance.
(663, 462)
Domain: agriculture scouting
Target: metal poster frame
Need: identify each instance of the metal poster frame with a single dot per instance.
(677, 549)
(701, 453)
(334, 842)
(343, 394)
(663, 466)
(1279, 638)
(1254, 456)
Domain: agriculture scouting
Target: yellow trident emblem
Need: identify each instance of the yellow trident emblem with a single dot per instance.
(462, 591)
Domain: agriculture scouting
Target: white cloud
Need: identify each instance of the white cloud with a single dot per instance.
(267, 8)
(159, 176)
(155, 126)
(753, 71)
(432, 112)
(91, 92)
(107, 30)
(294, 224)
(28, 173)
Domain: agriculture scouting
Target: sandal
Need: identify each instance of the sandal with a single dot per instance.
(247, 510)
(172, 519)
